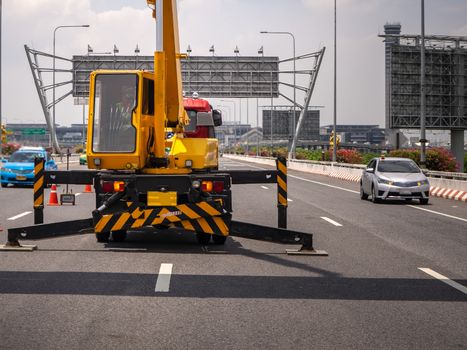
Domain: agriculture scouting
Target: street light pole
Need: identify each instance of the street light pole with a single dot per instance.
(334, 126)
(294, 79)
(53, 72)
(1, 145)
(422, 90)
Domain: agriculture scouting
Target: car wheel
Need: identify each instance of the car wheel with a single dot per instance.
(424, 201)
(374, 199)
(4, 184)
(119, 236)
(103, 237)
(363, 195)
(203, 238)
(219, 240)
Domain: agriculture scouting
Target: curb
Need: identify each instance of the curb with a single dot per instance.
(449, 194)
(442, 192)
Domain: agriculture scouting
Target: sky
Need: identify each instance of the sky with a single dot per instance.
(224, 24)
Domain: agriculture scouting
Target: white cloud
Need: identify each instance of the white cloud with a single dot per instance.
(224, 23)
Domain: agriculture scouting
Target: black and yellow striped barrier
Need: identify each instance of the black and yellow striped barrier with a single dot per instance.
(281, 164)
(39, 165)
(200, 217)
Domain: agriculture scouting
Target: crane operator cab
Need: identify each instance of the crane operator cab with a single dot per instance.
(123, 128)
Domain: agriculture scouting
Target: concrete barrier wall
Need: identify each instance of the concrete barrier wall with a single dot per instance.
(350, 172)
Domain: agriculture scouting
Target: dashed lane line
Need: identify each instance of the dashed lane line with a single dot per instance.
(20, 215)
(444, 279)
(264, 187)
(163, 278)
(357, 192)
(335, 223)
(438, 213)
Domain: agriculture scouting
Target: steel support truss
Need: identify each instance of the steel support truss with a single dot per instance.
(43, 87)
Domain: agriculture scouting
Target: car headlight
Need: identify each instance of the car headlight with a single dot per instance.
(7, 170)
(384, 181)
(423, 182)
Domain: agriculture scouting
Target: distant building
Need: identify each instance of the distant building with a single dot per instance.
(371, 134)
(37, 134)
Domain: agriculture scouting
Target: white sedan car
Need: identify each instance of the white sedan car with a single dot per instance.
(398, 178)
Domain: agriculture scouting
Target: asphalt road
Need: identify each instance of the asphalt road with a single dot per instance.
(370, 292)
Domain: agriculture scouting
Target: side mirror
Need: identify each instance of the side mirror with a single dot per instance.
(217, 117)
(370, 170)
(4, 160)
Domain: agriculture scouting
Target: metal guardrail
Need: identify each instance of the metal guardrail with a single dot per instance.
(429, 173)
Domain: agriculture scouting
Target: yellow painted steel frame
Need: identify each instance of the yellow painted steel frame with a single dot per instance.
(142, 123)
(168, 97)
(169, 115)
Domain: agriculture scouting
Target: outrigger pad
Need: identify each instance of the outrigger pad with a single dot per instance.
(316, 252)
(17, 247)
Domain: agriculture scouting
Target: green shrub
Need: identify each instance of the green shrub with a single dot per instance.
(350, 156)
(301, 153)
(9, 147)
(437, 159)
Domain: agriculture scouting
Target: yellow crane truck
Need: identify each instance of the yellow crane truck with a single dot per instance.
(147, 170)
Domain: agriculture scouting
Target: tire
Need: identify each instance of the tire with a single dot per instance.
(219, 240)
(373, 195)
(363, 195)
(4, 185)
(424, 201)
(118, 236)
(203, 238)
(103, 237)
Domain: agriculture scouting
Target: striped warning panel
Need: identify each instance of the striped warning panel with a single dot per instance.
(282, 181)
(449, 193)
(39, 182)
(136, 217)
(216, 225)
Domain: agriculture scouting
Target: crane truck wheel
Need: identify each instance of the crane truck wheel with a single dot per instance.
(203, 238)
(103, 237)
(219, 240)
(119, 236)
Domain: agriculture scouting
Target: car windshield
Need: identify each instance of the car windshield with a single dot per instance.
(398, 166)
(25, 157)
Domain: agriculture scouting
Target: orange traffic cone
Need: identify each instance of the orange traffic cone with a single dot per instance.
(87, 189)
(53, 199)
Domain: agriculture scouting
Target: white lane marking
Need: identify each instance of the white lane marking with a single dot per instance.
(352, 191)
(335, 223)
(77, 194)
(20, 215)
(265, 187)
(438, 213)
(289, 200)
(163, 278)
(323, 184)
(444, 279)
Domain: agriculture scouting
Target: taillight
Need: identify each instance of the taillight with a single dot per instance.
(113, 186)
(212, 186)
(218, 186)
(206, 186)
(119, 186)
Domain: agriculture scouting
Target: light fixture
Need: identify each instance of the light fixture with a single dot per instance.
(188, 49)
(90, 50)
(116, 49)
(137, 51)
(261, 51)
